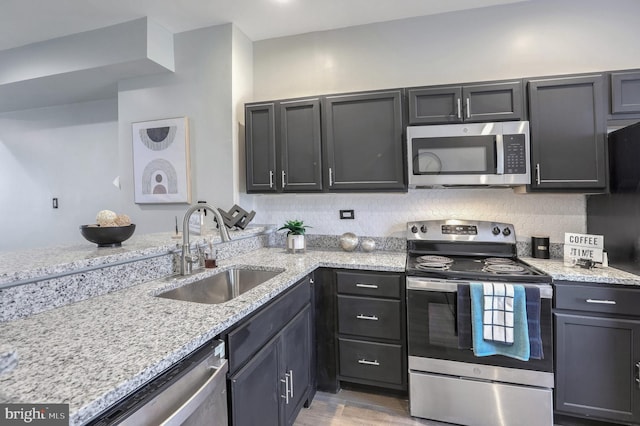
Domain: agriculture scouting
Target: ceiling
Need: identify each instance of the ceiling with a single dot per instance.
(28, 21)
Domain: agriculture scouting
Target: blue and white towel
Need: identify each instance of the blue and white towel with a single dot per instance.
(497, 320)
(521, 348)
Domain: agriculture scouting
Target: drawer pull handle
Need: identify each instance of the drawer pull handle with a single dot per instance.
(364, 361)
(367, 317)
(361, 285)
(601, 302)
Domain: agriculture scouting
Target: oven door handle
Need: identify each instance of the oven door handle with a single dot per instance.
(448, 286)
(499, 155)
(451, 286)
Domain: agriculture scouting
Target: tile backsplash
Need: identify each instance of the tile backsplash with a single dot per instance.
(386, 215)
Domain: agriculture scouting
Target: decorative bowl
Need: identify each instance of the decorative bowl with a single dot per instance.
(107, 236)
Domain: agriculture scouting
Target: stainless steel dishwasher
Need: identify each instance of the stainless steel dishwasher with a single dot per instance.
(193, 392)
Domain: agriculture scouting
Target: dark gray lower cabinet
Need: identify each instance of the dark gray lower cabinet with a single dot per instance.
(371, 331)
(597, 353)
(568, 133)
(271, 361)
(255, 390)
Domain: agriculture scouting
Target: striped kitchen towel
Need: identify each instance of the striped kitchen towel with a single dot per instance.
(497, 317)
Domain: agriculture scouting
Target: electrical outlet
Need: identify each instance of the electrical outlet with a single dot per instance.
(54, 203)
(347, 214)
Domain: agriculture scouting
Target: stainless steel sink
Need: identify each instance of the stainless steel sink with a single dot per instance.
(221, 287)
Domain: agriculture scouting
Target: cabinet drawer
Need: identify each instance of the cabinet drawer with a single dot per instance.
(606, 299)
(369, 284)
(369, 317)
(371, 361)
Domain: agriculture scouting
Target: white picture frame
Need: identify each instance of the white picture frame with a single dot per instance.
(161, 164)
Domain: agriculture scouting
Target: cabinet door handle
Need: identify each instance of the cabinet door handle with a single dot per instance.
(330, 177)
(459, 101)
(362, 285)
(538, 173)
(270, 178)
(291, 382)
(638, 374)
(601, 302)
(286, 388)
(367, 317)
(468, 107)
(364, 361)
(283, 182)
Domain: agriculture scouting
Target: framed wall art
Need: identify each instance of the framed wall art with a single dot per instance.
(161, 166)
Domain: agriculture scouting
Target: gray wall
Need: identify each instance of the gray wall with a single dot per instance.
(69, 152)
(531, 38)
(201, 89)
(74, 151)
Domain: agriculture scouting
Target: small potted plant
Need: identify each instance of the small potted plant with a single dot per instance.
(295, 234)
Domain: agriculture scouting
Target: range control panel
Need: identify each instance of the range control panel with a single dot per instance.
(461, 230)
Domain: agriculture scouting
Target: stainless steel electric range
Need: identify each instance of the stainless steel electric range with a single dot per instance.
(447, 382)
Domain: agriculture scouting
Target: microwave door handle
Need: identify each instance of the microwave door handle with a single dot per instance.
(499, 155)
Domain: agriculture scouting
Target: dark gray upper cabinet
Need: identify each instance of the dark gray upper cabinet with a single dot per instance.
(283, 146)
(363, 141)
(568, 133)
(625, 94)
(260, 143)
(300, 145)
(498, 101)
(597, 352)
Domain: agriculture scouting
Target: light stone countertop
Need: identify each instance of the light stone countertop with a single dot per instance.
(557, 270)
(29, 264)
(92, 353)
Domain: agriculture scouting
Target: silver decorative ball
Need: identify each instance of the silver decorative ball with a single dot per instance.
(348, 241)
(368, 245)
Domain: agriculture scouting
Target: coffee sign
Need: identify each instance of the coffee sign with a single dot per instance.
(583, 246)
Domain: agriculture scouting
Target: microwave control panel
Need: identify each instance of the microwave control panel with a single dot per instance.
(515, 158)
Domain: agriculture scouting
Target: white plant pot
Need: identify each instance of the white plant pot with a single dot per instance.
(295, 242)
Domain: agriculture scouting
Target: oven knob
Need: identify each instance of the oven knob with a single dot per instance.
(495, 230)
(506, 232)
(423, 229)
(414, 229)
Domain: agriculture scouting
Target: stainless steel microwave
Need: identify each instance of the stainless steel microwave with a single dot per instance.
(474, 154)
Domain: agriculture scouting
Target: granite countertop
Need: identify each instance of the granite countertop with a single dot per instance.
(609, 275)
(92, 353)
(33, 263)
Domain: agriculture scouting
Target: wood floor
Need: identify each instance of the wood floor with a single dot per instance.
(351, 408)
(354, 408)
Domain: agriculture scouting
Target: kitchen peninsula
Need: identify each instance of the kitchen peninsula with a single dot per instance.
(92, 353)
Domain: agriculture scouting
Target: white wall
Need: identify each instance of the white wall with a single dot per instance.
(542, 37)
(384, 215)
(242, 66)
(201, 89)
(69, 152)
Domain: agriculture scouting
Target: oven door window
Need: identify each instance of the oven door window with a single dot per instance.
(432, 332)
(460, 155)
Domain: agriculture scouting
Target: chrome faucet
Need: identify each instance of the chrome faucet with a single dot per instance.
(187, 259)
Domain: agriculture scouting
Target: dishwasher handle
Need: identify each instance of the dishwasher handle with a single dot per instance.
(199, 396)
